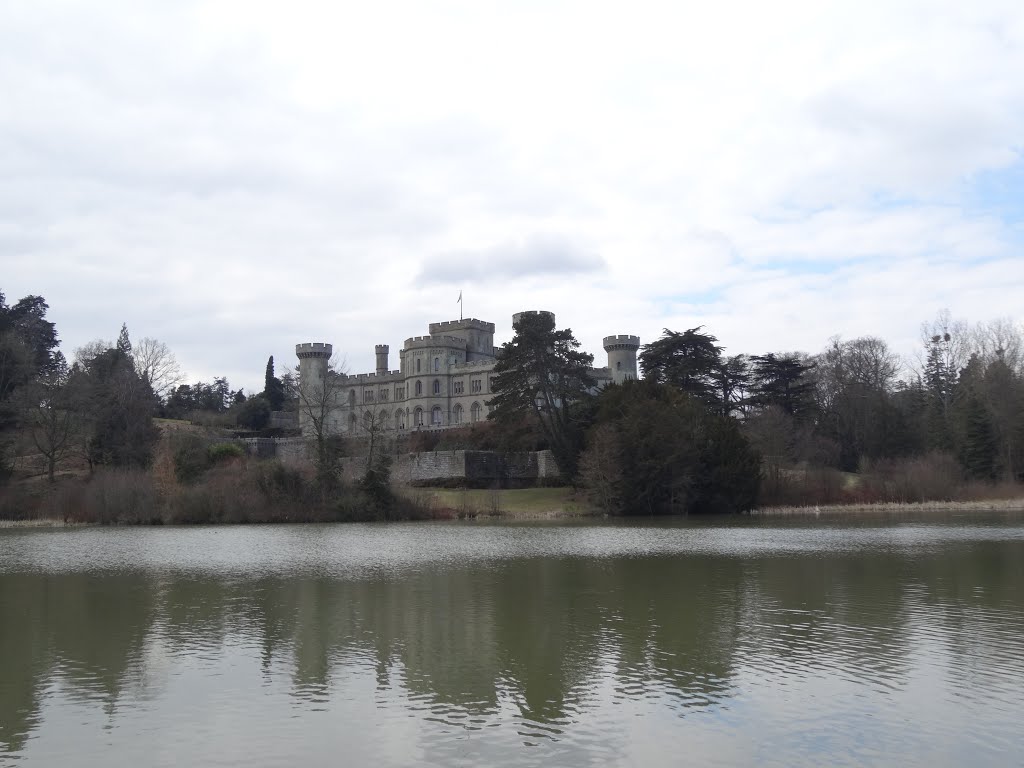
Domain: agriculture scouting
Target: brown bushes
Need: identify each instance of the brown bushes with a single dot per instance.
(935, 477)
(240, 491)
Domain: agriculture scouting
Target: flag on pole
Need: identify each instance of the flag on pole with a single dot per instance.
(459, 300)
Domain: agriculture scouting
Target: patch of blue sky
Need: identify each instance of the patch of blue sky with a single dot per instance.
(670, 303)
(999, 193)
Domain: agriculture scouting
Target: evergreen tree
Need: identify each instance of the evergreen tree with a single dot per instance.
(542, 373)
(783, 381)
(120, 405)
(939, 384)
(654, 450)
(688, 361)
(273, 389)
(124, 344)
(980, 445)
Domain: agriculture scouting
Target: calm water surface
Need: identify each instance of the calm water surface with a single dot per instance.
(880, 642)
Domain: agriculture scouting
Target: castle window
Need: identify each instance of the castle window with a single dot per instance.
(618, 365)
(437, 364)
(437, 387)
(399, 393)
(367, 421)
(474, 413)
(399, 419)
(383, 420)
(351, 398)
(368, 396)
(476, 385)
(457, 387)
(419, 388)
(418, 417)
(383, 395)
(457, 414)
(435, 416)
(352, 422)
(417, 365)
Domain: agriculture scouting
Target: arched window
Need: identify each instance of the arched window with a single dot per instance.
(367, 420)
(352, 422)
(399, 419)
(351, 398)
(417, 365)
(437, 364)
(618, 365)
(457, 414)
(474, 413)
(382, 420)
(419, 388)
(418, 417)
(437, 387)
(435, 416)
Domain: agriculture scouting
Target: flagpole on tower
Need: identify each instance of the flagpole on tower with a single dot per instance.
(460, 306)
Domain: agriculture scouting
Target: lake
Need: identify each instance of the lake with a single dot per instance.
(864, 641)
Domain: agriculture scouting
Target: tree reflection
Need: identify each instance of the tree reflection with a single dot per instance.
(545, 635)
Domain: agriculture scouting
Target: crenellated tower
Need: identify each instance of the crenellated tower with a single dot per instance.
(517, 315)
(313, 361)
(382, 350)
(622, 351)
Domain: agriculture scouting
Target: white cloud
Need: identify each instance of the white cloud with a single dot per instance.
(235, 177)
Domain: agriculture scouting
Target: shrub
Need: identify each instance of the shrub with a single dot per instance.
(220, 453)
(191, 457)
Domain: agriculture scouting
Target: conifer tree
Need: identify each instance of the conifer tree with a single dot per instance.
(273, 388)
(124, 344)
(542, 373)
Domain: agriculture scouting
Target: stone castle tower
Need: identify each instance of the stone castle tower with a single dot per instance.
(313, 360)
(444, 379)
(622, 356)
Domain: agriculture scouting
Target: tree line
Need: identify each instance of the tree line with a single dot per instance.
(702, 428)
(100, 407)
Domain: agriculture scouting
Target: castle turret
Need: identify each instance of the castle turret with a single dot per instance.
(381, 351)
(313, 360)
(622, 356)
(517, 315)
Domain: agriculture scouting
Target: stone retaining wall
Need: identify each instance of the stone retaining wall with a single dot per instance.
(427, 468)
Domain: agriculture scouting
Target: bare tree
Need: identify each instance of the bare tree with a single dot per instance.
(53, 415)
(88, 351)
(601, 469)
(1001, 339)
(952, 340)
(155, 362)
(317, 397)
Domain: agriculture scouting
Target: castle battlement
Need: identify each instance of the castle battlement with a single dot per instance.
(622, 341)
(435, 339)
(313, 349)
(470, 323)
(517, 315)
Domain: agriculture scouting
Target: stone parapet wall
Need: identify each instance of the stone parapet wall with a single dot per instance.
(426, 468)
(284, 420)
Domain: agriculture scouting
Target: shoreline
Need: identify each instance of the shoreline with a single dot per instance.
(891, 507)
(838, 510)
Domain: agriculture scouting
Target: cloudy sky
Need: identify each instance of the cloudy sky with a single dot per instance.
(234, 177)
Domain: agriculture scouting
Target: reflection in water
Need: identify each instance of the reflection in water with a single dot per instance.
(556, 645)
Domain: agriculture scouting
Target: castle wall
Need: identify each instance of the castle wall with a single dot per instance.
(474, 467)
(458, 355)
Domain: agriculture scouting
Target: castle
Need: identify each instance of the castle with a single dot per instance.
(444, 379)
